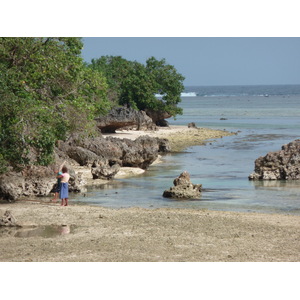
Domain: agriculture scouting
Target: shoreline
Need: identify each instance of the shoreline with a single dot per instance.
(96, 234)
(179, 136)
(87, 233)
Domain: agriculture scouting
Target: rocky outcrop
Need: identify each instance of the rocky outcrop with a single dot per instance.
(192, 125)
(140, 153)
(105, 157)
(31, 181)
(105, 169)
(183, 188)
(159, 117)
(279, 165)
(110, 151)
(124, 117)
(37, 181)
(8, 220)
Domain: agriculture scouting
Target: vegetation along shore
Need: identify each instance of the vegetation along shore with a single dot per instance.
(104, 119)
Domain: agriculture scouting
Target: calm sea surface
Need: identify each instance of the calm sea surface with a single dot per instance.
(265, 117)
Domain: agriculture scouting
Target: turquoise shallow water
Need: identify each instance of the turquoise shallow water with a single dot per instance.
(265, 119)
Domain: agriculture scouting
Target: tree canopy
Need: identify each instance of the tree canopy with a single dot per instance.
(46, 92)
(135, 84)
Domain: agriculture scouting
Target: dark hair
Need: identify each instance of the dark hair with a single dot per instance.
(64, 169)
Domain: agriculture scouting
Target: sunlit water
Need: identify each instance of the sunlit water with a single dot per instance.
(265, 119)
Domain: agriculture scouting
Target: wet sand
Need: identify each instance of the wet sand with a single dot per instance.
(96, 234)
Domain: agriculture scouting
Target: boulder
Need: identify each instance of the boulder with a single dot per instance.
(31, 181)
(37, 181)
(124, 117)
(140, 153)
(158, 117)
(163, 145)
(103, 147)
(76, 182)
(8, 220)
(192, 125)
(105, 169)
(183, 188)
(81, 155)
(280, 165)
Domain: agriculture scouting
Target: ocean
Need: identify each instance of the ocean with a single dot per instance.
(264, 117)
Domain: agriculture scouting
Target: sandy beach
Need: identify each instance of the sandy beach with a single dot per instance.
(179, 137)
(51, 233)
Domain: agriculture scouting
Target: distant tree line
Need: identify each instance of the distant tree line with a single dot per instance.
(47, 93)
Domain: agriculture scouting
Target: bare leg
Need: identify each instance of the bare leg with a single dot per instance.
(66, 201)
(62, 202)
(55, 197)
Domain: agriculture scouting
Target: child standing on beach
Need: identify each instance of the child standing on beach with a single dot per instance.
(64, 186)
(57, 173)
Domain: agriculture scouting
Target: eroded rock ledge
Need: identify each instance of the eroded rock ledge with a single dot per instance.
(280, 165)
(105, 157)
(122, 117)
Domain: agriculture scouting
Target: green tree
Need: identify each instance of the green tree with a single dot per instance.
(115, 69)
(167, 82)
(135, 84)
(46, 92)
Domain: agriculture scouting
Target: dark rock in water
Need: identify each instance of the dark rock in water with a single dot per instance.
(8, 220)
(192, 125)
(281, 165)
(121, 117)
(183, 188)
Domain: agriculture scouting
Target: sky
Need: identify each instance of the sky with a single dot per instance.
(210, 60)
(210, 42)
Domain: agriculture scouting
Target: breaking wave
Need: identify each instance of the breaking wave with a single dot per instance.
(186, 94)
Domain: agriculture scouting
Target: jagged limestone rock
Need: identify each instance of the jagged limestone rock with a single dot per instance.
(124, 117)
(183, 188)
(280, 165)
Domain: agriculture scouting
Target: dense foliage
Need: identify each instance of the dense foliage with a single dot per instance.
(46, 93)
(135, 84)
